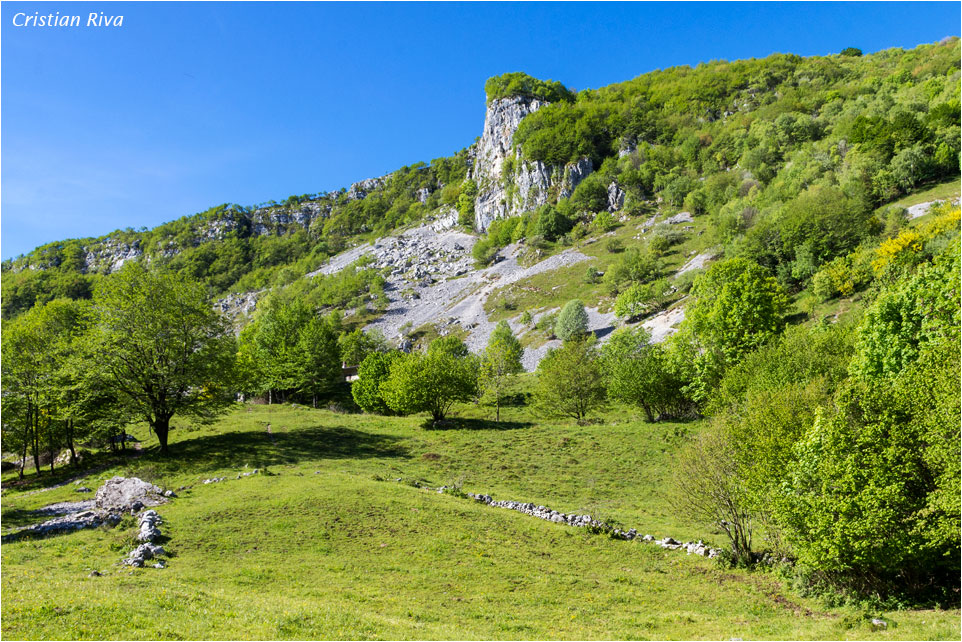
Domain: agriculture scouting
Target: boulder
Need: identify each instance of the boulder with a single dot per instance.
(128, 493)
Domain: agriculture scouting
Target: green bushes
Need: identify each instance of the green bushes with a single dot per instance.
(841, 443)
(416, 382)
(572, 322)
(521, 84)
(372, 372)
(843, 276)
(637, 373)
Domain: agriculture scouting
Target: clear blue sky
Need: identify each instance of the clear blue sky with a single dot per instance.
(189, 105)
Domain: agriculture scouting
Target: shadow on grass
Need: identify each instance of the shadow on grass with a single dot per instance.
(463, 423)
(92, 463)
(18, 517)
(260, 450)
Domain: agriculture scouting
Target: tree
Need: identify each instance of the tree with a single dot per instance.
(270, 344)
(737, 307)
(164, 349)
(501, 360)
(433, 381)
(640, 299)
(318, 359)
(711, 492)
(637, 373)
(572, 322)
(372, 372)
(551, 222)
(355, 346)
(569, 381)
(469, 190)
(42, 388)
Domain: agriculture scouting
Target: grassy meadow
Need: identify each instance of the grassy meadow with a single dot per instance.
(327, 543)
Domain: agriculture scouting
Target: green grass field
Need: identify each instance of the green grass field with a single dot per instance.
(329, 545)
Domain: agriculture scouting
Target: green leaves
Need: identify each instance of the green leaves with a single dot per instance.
(908, 317)
(164, 349)
(737, 307)
(500, 361)
(521, 84)
(572, 323)
(569, 381)
(431, 382)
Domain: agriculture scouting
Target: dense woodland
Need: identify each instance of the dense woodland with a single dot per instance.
(830, 440)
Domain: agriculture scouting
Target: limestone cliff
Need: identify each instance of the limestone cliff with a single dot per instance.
(507, 184)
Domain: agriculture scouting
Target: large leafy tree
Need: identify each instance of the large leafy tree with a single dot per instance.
(500, 362)
(43, 384)
(737, 307)
(372, 372)
(637, 373)
(570, 383)
(318, 365)
(433, 381)
(163, 348)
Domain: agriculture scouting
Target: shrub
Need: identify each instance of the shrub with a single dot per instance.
(604, 221)
(572, 323)
(641, 299)
(484, 252)
(614, 245)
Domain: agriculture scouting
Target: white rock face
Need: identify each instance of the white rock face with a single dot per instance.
(616, 197)
(360, 189)
(532, 181)
(501, 121)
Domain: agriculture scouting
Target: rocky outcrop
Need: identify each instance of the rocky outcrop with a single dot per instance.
(237, 305)
(495, 146)
(129, 494)
(573, 174)
(361, 189)
(529, 184)
(616, 197)
(110, 256)
(67, 523)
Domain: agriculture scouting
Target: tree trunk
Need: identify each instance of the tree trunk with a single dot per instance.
(23, 459)
(35, 445)
(161, 426)
(648, 413)
(73, 451)
(497, 405)
(123, 441)
(270, 397)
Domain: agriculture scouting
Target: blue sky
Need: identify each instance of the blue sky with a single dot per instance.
(189, 105)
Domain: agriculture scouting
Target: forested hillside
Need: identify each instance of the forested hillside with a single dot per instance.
(755, 145)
